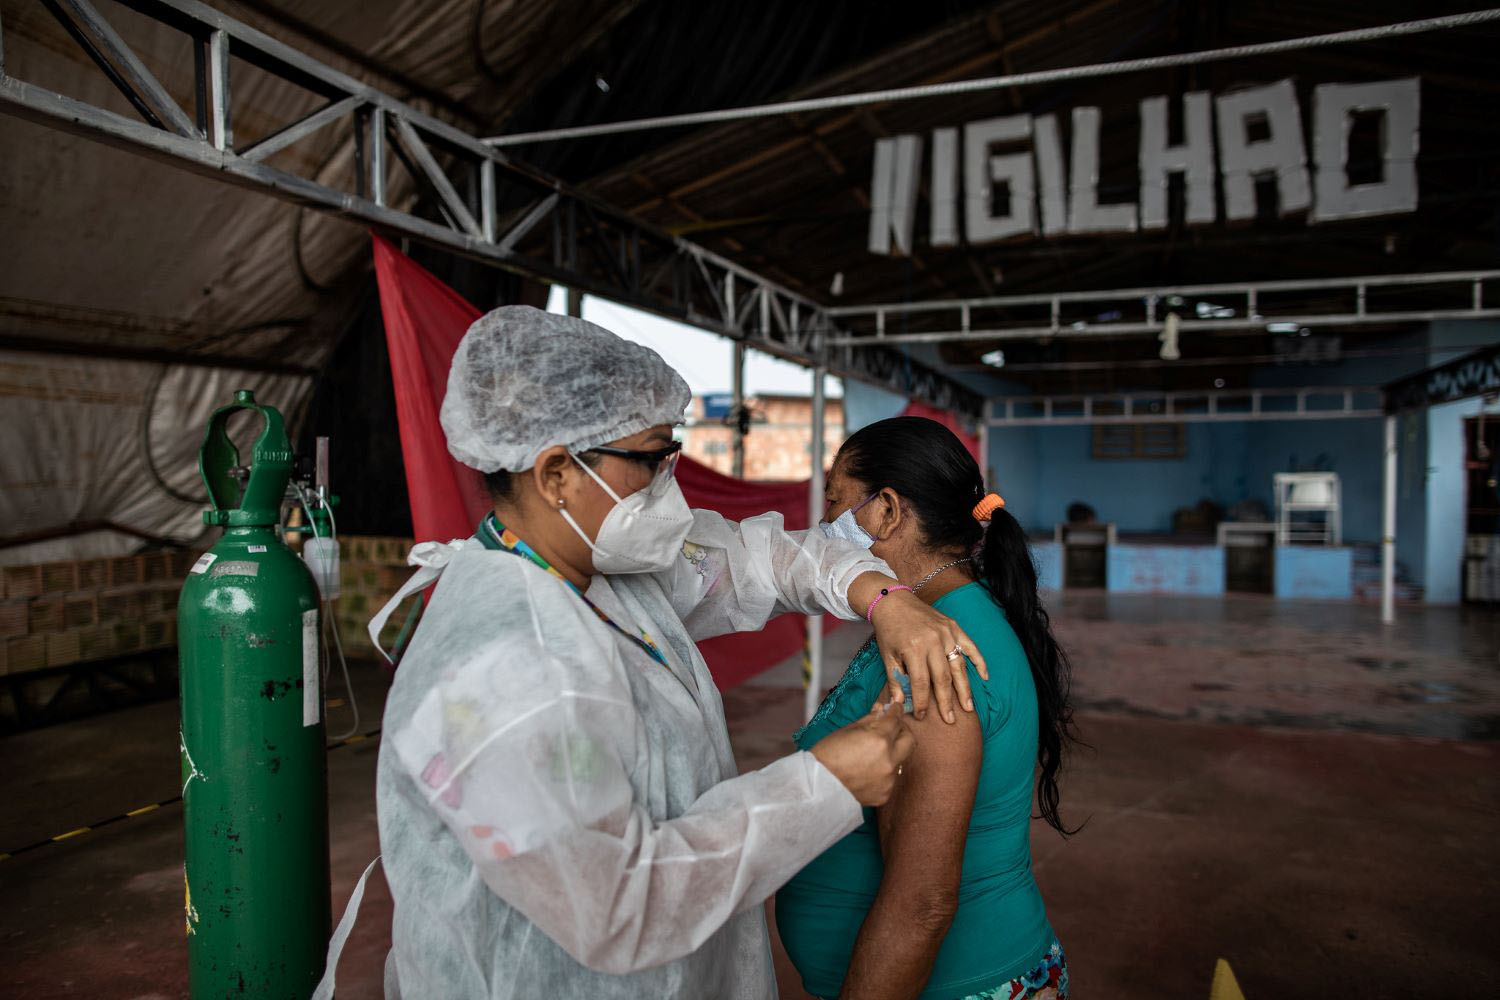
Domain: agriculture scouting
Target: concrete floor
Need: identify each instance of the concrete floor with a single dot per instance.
(1289, 787)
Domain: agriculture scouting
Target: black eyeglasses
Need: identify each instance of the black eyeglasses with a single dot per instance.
(652, 460)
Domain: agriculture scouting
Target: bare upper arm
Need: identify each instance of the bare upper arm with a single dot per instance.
(924, 825)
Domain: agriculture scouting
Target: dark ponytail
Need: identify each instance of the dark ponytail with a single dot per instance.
(1010, 576)
(930, 469)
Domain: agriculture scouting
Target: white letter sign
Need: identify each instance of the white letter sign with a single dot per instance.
(1334, 107)
(1086, 214)
(1282, 153)
(893, 193)
(1239, 143)
(1194, 159)
(944, 231)
(983, 171)
(1049, 169)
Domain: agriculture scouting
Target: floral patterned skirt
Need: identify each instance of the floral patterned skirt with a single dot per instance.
(1048, 981)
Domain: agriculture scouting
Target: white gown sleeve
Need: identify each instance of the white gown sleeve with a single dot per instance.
(736, 576)
(527, 750)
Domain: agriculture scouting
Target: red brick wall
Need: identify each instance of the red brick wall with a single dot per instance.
(776, 447)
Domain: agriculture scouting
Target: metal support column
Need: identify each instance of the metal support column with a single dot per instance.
(813, 683)
(1388, 533)
(575, 303)
(737, 414)
(985, 472)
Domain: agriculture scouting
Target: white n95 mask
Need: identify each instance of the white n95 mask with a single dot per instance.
(644, 532)
(846, 528)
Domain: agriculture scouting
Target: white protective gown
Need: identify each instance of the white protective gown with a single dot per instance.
(560, 814)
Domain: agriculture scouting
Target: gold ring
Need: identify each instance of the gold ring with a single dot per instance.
(955, 652)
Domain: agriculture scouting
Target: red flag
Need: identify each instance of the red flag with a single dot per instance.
(948, 420)
(424, 321)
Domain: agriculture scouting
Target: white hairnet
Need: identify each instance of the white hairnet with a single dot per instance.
(524, 380)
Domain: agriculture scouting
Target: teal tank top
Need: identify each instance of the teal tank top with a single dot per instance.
(1000, 930)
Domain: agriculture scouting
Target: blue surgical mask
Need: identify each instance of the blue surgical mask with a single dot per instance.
(846, 528)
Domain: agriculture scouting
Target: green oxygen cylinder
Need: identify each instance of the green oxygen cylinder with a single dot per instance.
(254, 774)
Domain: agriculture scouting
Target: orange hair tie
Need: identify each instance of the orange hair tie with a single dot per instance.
(986, 507)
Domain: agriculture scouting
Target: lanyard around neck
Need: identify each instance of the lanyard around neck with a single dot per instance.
(494, 535)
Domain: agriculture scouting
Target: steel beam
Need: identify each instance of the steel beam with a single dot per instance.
(1388, 523)
(590, 246)
(1143, 311)
(277, 141)
(737, 412)
(1191, 407)
(813, 684)
(417, 149)
(221, 127)
(105, 46)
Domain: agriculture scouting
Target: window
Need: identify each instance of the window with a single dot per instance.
(1140, 441)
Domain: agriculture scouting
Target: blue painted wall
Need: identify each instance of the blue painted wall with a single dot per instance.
(1352, 448)
(1040, 471)
(1047, 557)
(866, 404)
(1444, 487)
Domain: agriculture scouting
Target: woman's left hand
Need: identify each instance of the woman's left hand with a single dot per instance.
(918, 640)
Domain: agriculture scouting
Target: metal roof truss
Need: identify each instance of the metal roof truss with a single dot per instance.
(1251, 306)
(493, 208)
(1205, 406)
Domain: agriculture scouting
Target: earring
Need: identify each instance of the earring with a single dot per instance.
(559, 501)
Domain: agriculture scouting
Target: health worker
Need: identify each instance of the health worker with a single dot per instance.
(560, 812)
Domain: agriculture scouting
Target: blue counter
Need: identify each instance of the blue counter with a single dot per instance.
(1166, 569)
(1307, 571)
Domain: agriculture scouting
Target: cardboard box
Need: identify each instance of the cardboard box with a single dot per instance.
(156, 566)
(127, 636)
(125, 571)
(93, 574)
(23, 581)
(79, 610)
(59, 577)
(97, 642)
(28, 653)
(63, 648)
(46, 615)
(14, 618)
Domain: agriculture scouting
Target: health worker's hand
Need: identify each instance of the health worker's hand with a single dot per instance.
(916, 639)
(867, 755)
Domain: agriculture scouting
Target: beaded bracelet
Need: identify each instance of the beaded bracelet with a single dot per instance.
(884, 593)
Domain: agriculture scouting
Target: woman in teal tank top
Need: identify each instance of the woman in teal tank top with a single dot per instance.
(933, 895)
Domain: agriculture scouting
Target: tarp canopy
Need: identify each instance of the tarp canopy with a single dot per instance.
(135, 298)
